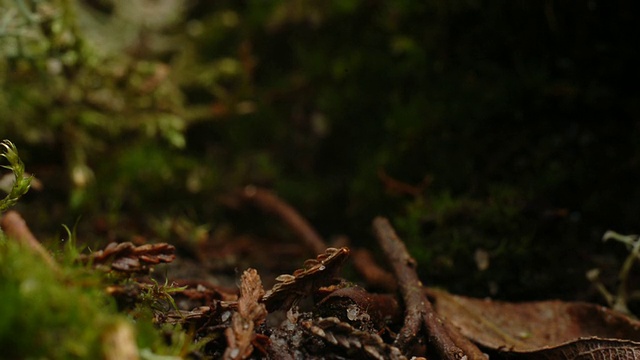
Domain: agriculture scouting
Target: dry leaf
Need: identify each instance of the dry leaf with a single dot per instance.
(544, 329)
(316, 273)
(586, 349)
(127, 257)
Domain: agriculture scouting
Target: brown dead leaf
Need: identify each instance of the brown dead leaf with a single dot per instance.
(586, 349)
(544, 329)
(316, 273)
(127, 257)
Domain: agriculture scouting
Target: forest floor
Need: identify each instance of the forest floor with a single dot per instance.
(314, 310)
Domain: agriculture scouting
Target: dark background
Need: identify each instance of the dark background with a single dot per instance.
(514, 125)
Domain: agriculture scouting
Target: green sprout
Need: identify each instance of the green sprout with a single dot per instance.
(155, 294)
(21, 183)
(619, 301)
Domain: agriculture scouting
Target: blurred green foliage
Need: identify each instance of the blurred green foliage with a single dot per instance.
(66, 314)
(523, 114)
(19, 183)
(41, 316)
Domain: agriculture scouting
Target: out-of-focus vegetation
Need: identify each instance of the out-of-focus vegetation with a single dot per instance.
(68, 315)
(19, 182)
(59, 310)
(515, 122)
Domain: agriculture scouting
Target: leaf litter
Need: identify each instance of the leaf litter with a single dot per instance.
(341, 320)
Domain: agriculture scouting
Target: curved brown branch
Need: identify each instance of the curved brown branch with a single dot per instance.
(418, 311)
(270, 202)
(373, 274)
(15, 227)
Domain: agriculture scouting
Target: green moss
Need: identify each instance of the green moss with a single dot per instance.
(63, 314)
(21, 183)
(45, 314)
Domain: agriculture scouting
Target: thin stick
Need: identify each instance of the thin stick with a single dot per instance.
(373, 274)
(270, 202)
(16, 228)
(418, 310)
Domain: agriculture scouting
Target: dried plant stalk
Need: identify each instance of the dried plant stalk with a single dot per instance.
(249, 314)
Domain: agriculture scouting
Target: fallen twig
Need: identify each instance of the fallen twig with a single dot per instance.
(15, 227)
(270, 202)
(395, 186)
(373, 274)
(418, 311)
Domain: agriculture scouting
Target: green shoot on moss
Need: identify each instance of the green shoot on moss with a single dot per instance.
(71, 250)
(155, 295)
(21, 183)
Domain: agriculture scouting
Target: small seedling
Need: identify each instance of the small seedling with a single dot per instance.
(156, 295)
(619, 301)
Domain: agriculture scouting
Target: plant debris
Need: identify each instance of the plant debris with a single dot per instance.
(127, 257)
(531, 326)
(346, 320)
(418, 311)
(250, 314)
(316, 273)
(358, 343)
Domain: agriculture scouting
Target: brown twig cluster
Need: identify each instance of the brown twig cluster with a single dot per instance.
(346, 319)
(420, 320)
(343, 320)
